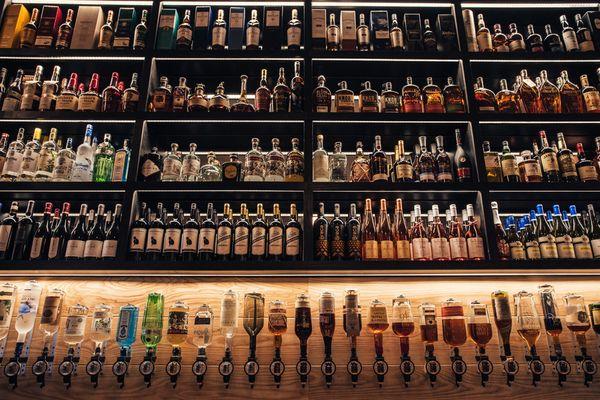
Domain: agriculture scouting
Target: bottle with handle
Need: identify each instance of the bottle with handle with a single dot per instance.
(152, 325)
(73, 335)
(202, 334)
(229, 323)
(126, 333)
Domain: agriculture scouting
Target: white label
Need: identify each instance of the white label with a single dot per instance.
(437, 248)
(149, 168)
(207, 240)
(272, 18)
(4, 236)
(548, 246)
(292, 241)
(53, 249)
(63, 168)
(240, 244)
(67, 102)
(93, 248)
(30, 159)
(172, 240)
(75, 248)
(223, 240)
(420, 246)
(275, 240)
(109, 248)
(75, 325)
(378, 315)
(596, 247)
(258, 241)
(138, 239)
(583, 248)
(189, 240)
(155, 239)
(475, 247)
(458, 248)
(294, 34)
(36, 247)
(201, 19)
(172, 167)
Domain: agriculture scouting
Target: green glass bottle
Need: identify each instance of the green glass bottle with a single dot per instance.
(104, 160)
(152, 323)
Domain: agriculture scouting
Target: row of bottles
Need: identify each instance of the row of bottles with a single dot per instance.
(93, 235)
(157, 236)
(47, 161)
(282, 98)
(541, 96)
(257, 166)
(55, 94)
(411, 99)
(457, 327)
(553, 234)
(422, 165)
(553, 162)
(378, 237)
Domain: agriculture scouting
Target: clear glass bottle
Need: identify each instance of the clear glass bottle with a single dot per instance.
(47, 157)
(31, 155)
(104, 160)
(32, 91)
(320, 161)
(65, 161)
(294, 163)
(190, 165)
(14, 158)
(275, 171)
(254, 164)
(49, 91)
(75, 325)
(338, 163)
(211, 171)
(242, 105)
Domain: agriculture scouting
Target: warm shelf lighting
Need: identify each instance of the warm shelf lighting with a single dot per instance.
(531, 5)
(87, 2)
(233, 3)
(379, 4)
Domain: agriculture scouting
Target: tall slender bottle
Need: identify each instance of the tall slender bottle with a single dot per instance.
(352, 322)
(229, 323)
(152, 326)
(327, 327)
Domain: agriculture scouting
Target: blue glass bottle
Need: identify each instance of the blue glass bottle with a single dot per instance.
(127, 327)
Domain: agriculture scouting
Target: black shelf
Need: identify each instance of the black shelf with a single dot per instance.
(389, 117)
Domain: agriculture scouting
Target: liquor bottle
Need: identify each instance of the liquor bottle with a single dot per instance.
(275, 164)
(343, 98)
(585, 167)
(352, 235)
(29, 31)
(480, 330)
(121, 163)
(3, 150)
(91, 100)
(32, 90)
(41, 236)
(552, 321)
(396, 34)
(141, 32)
(198, 101)
(253, 321)
(161, 97)
(577, 320)
(14, 92)
(294, 163)
(333, 34)
(508, 162)
(320, 161)
(152, 321)
(549, 160)
(253, 32)
(462, 163)
(534, 40)
(433, 99)
(581, 241)
(65, 32)
(411, 97)
(363, 34)
(368, 99)
(224, 234)
(515, 39)
(219, 102)
(474, 237)
(49, 91)
(591, 96)
(107, 33)
(421, 248)
(30, 156)
(456, 237)
(297, 90)
(569, 36)
(485, 99)
(378, 166)
(550, 96)
(484, 37)
(172, 165)
(277, 323)
(303, 330)
(242, 105)
(68, 99)
(26, 312)
(185, 32)
(502, 243)
(337, 164)
(571, 99)
(499, 40)
(337, 236)
(73, 335)
(84, 159)
(47, 158)
(229, 323)
(429, 38)
(104, 160)
(552, 42)
(321, 97)
(207, 236)
(568, 169)
(528, 94)
(51, 316)
(219, 31)
(377, 323)
(101, 326)
(389, 100)
(263, 94)
(254, 164)
(402, 168)
(429, 333)
(508, 100)
(293, 236)
(77, 238)
(443, 170)
(181, 93)
(111, 95)
(202, 331)
(427, 163)
(241, 242)
(584, 35)
(275, 242)
(453, 97)
(384, 233)
(20, 234)
(14, 158)
(360, 170)
(321, 236)
(454, 331)
(172, 238)
(327, 327)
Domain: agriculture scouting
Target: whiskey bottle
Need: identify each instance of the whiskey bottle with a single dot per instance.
(219, 102)
(429, 39)
(363, 34)
(336, 235)
(584, 36)
(294, 163)
(403, 169)
(508, 162)
(181, 94)
(499, 40)
(183, 40)
(378, 165)
(454, 97)
(508, 100)
(585, 168)
(172, 165)
(321, 235)
(390, 99)
(360, 168)
(591, 96)
(529, 169)
(141, 32)
(281, 94)
(368, 99)
(344, 98)
(321, 97)
(131, 95)
(426, 162)
(333, 34)
(198, 101)
(548, 160)
(65, 32)
(111, 95)
(566, 163)
(68, 99)
(294, 32)
(91, 100)
(369, 234)
(462, 163)
(552, 42)
(550, 96)
(433, 99)
(32, 90)
(484, 37)
(529, 94)
(29, 31)
(262, 97)
(253, 31)
(242, 105)
(515, 39)
(443, 163)
(534, 40)
(107, 33)
(297, 88)
(411, 97)
(396, 35)
(12, 100)
(219, 31)
(569, 35)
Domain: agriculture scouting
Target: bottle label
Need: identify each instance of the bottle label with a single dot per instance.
(63, 168)
(412, 105)
(564, 247)
(155, 239)
(292, 241)
(387, 249)
(89, 102)
(592, 101)
(533, 250)
(344, 102)
(549, 162)
(516, 45)
(218, 36)
(30, 161)
(404, 171)
(438, 248)
(75, 325)
(517, 251)
(458, 248)
(475, 247)
(403, 250)
(75, 248)
(587, 173)
(189, 240)
(67, 102)
(509, 167)
(259, 241)
(36, 247)
(51, 309)
(253, 36)
(426, 176)
(532, 169)
(570, 39)
(172, 167)
(484, 41)
(491, 161)
(378, 315)
(583, 247)
(396, 39)
(46, 161)
(548, 246)
(11, 103)
(191, 167)
(207, 240)
(109, 248)
(93, 248)
(12, 165)
(321, 168)
(53, 248)
(567, 166)
(138, 239)
(149, 168)
(275, 240)
(371, 250)
(420, 248)
(172, 240)
(587, 44)
(119, 166)
(240, 242)
(223, 241)
(48, 97)
(5, 231)
(294, 36)
(595, 243)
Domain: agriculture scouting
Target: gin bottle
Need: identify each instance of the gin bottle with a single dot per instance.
(104, 160)
(45, 165)
(190, 169)
(121, 166)
(152, 323)
(30, 156)
(84, 159)
(172, 165)
(320, 162)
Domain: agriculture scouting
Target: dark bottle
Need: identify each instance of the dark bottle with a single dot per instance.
(76, 242)
(552, 42)
(12, 100)
(8, 230)
(224, 235)
(462, 163)
(60, 235)
(3, 73)
(96, 236)
(321, 235)
(131, 95)
(508, 162)
(41, 237)
(585, 168)
(402, 169)
(545, 234)
(219, 31)
(258, 247)
(185, 32)
(378, 167)
(293, 236)
(321, 97)
(232, 169)
(337, 240)
(429, 39)
(294, 32)
(262, 97)
(241, 235)
(26, 228)
(156, 233)
(390, 99)
(275, 238)
(65, 32)
(551, 318)
(172, 237)
(281, 94)
(242, 105)
(29, 31)
(297, 87)
(426, 163)
(139, 232)
(206, 239)
(534, 40)
(111, 95)
(566, 164)
(151, 166)
(584, 35)
(181, 94)
(502, 243)
(198, 100)
(140, 32)
(219, 102)
(549, 160)
(253, 31)
(353, 240)
(111, 239)
(443, 163)
(189, 235)
(303, 323)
